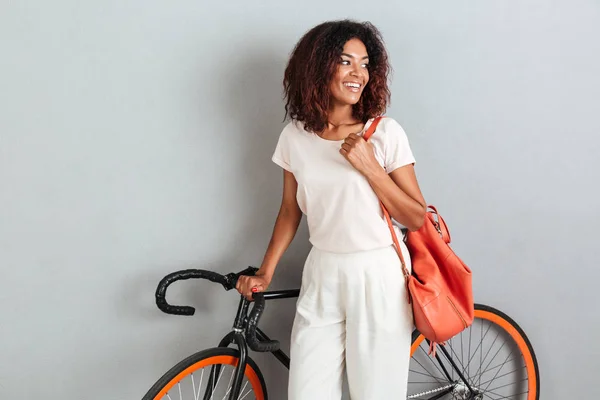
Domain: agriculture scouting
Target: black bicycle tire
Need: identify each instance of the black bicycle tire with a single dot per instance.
(483, 307)
(196, 357)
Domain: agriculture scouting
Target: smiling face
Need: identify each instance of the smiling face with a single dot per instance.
(352, 74)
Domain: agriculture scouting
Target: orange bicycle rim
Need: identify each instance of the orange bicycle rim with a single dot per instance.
(215, 360)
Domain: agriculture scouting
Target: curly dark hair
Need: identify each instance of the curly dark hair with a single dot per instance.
(315, 60)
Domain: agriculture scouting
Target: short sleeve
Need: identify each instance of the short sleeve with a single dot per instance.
(397, 149)
(281, 156)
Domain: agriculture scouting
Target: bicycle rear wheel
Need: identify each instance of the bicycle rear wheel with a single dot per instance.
(208, 375)
(493, 355)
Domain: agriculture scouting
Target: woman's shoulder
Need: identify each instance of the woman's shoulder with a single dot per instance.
(390, 124)
(388, 127)
(294, 128)
(294, 125)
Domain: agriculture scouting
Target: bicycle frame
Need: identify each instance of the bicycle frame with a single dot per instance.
(246, 334)
(237, 336)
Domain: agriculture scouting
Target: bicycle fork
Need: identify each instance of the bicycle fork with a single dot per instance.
(235, 336)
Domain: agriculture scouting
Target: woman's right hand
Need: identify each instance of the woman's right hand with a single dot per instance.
(247, 285)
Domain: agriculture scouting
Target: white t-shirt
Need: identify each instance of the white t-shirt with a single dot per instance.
(342, 210)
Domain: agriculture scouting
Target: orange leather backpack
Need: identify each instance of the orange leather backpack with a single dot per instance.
(440, 285)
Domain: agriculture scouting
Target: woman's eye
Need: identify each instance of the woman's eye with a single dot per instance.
(345, 62)
(365, 65)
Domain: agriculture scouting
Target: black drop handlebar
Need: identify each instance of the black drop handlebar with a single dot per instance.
(228, 281)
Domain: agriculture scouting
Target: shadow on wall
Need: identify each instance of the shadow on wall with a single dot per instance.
(254, 102)
(244, 101)
(251, 100)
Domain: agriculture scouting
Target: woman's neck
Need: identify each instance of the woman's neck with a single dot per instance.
(341, 115)
(340, 123)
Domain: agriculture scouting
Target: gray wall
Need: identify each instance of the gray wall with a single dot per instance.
(136, 140)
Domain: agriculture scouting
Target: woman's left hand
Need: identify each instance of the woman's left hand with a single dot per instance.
(360, 154)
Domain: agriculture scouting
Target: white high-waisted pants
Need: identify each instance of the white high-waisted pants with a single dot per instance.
(352, 312)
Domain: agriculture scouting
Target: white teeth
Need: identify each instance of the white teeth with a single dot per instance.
(354, 85)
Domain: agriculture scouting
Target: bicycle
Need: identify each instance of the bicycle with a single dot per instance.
(451, 379)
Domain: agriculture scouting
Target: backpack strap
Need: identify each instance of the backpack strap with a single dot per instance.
(387, 216)
(372, 128)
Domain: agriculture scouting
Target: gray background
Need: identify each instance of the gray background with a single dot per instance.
(136, 139)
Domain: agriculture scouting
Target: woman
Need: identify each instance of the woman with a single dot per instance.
(352, 311)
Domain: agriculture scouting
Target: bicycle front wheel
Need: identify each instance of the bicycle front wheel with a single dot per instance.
(208, 375)
(491, 359)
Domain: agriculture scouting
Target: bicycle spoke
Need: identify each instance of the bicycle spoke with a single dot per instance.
(488, 352)
(462, 351)
(488, 385)
(481, 344)
(212, 395)
(229, 386)
(472, 377)
(469, 361)
(497, 366)
(452, 351)
(461, 364)
(508, 384)
(493, 358)
(493, 398)
(201, 377)
(481, 358)
(503, 375)
(194, 387)
(466, 370)
(421, 373)
(434, 364)
(426, 370)
(504, 397)
(240, 398)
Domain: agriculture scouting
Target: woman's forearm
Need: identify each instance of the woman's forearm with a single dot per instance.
(403, 208)
(284, 231)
